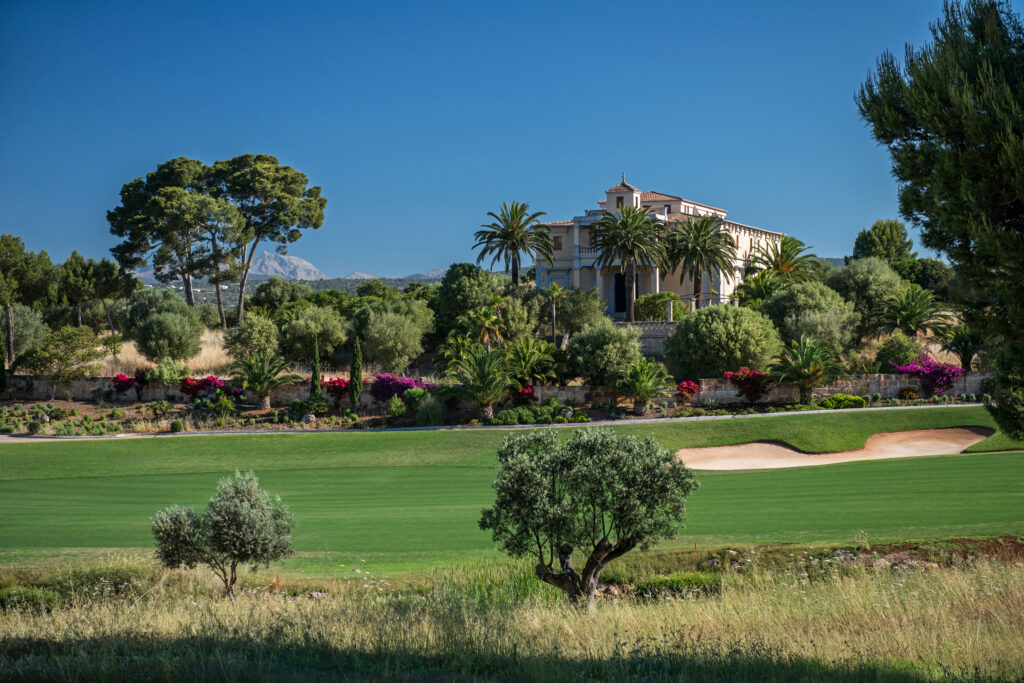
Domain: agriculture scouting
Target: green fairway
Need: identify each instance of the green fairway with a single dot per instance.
(404, 501)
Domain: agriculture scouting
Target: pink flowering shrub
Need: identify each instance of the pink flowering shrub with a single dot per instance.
(123, 383)
(750, 384)
(936, 377)
(687, 389)
(386, 385)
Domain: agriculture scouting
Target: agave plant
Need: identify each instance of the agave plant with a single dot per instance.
(806, 364)
(530, 361)
(262, 373)
(484, 377)
(644, 381)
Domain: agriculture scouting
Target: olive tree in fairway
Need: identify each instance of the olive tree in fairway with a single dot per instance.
(599, 494)
(719, 338)
(242, 524)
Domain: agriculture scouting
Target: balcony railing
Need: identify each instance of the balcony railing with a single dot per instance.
(586, 250)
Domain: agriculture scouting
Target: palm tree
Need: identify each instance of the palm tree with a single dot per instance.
(807, 363)
(632, 237)
(555, 292)
(964, 343)
(261, 374)
(484, 377)
(515, 231)
(644, 381)
(913, 311)
(699, 247)
(757, 288)
(786, 258)
(530, 361)
(485, 325)
(455, 347)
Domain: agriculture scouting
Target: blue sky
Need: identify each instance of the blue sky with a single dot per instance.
(418, 118)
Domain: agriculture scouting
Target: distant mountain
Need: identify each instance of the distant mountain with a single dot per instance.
(360, 276)
(435, 274)
(289, 267)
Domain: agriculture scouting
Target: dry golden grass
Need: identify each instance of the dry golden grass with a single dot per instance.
(211, 360)
(959, 624)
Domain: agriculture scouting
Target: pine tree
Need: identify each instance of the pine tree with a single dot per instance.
(355, 373)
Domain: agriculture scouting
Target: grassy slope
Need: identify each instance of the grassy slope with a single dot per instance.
(408, 500)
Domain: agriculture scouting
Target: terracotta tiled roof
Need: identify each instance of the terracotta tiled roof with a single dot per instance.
(657, 197)
(623, 187)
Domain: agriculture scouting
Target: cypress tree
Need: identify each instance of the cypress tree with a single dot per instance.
(315, 390)
(355, 373)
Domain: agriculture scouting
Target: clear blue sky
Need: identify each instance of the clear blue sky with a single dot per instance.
(418, 118)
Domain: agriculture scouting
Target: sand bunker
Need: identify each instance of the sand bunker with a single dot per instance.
(765, 455)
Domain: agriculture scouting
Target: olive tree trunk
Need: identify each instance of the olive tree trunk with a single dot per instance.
(581, 589)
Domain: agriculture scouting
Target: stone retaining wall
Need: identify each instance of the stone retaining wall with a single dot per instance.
(653, 336)
(887, 385)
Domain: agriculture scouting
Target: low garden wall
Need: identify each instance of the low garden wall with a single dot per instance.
(888, 385)
(653, 336)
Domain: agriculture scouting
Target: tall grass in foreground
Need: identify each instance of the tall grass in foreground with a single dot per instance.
(949, 624)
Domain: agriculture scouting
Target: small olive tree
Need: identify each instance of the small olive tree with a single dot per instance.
(241, 525)
(600, 493)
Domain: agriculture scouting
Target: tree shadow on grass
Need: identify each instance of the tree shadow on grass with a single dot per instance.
(245, 659)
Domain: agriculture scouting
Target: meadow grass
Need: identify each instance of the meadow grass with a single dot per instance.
(836, 623)
(405, 502)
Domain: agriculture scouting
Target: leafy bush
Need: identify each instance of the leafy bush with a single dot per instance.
(28, 598)
(392, 340)
(325, 325)
(167, 373)
(686, 583)
(936, 377)
(838, 401)
(396, 407)
(34, 426)
(655, 306)
(28, 327)
(168, 335)
(386, 385)
(429, 412)
(255, 335)
(601, 353)
(687, 389)
(814, 310)
(864, 282)
(276, 292)
(643, 381)
(413, 396)
(907, 394)
(714, 339)
(750, 384)
(579, 309)
(177, 426)
(899, 349)
(317, 405)
(509, 416)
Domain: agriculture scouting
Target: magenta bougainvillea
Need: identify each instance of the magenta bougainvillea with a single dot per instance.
(386, 385)
(936, 377)
(687, 389)
(123, 383)
(750, 384)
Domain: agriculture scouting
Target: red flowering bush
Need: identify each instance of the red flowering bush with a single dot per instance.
(190, 386)
(687, 389)
(336, 388)
(386, 385)
(521, 395)
(123, 383)
(750, 384)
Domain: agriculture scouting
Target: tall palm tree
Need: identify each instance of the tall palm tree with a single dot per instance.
(699, 247)
(807, 363)
(757, 288)
(555, 293)
(913, 311)
(786, 258)
(632, 237)
(262, 374)
(514, 231)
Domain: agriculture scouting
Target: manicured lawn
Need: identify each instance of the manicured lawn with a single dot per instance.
(405, 501)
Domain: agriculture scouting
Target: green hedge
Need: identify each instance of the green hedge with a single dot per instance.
(686, 583)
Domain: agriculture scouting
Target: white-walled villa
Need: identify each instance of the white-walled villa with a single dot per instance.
(573, 266)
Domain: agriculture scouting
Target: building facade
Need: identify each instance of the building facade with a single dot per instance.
(573, 266)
